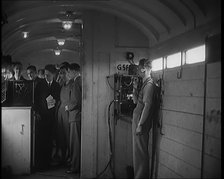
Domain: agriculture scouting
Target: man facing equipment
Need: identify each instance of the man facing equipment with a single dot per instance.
(142, 119)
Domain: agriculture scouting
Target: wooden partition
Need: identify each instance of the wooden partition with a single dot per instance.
(179, 149)
(16, 139)
(212, 137)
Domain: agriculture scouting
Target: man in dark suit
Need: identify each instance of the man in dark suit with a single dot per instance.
(32, 74)
(46, 98)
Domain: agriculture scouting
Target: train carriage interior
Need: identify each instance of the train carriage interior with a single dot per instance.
(107, 38)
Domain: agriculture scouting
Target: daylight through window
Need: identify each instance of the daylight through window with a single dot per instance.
(195, 55)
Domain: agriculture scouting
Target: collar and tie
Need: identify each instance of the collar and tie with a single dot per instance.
(49, 84)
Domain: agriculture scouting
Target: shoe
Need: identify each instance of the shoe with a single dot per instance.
(68, 160)
(70, 171)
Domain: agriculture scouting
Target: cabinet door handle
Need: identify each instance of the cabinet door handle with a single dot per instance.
(22, 131)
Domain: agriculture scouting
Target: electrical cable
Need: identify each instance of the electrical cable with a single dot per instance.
(110, 140)
(109, 83)
(110, 144)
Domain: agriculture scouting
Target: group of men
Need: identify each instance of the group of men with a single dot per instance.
(57, 105)
(57, 112)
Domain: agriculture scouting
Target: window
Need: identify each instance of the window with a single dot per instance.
(157, 64)
(173, 60)
(195, 55)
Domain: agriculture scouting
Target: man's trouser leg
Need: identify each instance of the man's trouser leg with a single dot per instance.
(75, 145)
(140, 154)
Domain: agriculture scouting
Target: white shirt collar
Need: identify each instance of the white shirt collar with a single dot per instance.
(49, 82)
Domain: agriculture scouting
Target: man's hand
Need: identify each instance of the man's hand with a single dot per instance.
(139, 130)
(66, 108)
(37, 116)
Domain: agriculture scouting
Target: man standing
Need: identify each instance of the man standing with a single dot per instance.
(74, 108)
(63, 115)
(32, 74)
(41, 73)
(46, 98)
(142, 119)
(17, 67)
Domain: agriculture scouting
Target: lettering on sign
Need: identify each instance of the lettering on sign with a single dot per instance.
(122, 68)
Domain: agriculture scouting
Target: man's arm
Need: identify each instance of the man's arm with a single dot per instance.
(135, 90)
(147, 100)
(75, 98)
(37, 97)
(135, 95)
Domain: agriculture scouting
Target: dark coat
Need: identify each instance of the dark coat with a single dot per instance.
(45, 126)
(42, 91)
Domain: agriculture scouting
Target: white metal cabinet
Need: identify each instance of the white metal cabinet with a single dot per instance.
(16, 139)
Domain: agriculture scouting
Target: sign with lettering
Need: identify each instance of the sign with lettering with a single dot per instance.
(122, 67)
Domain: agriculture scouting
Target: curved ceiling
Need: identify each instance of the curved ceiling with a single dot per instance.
(159, 20)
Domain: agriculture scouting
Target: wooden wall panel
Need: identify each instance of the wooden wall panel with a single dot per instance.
(183, 152)
(179, 166)
(157, 74)
(213, 117)
(183, 120)
(88, 128)
(189, 88)
(182, 112)
(213, 146)
(192, 105)
(213, 128)
(214, 70)
(183, 136)
(212, 167)
(165, 172)
(213, 88)
(212, 140)
(213, 104)
(183, 106)
(189, 73)
(101, 104)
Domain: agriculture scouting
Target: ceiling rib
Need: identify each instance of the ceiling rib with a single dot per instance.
(200, 7)
(190, 10)
(25, 52)
(43, 29)
(150, 12)
(175, 11)
(40, 38)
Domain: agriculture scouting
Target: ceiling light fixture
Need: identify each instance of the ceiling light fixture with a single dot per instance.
(67, 25)
(61, 42)
(57, 52)
(25, 34)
